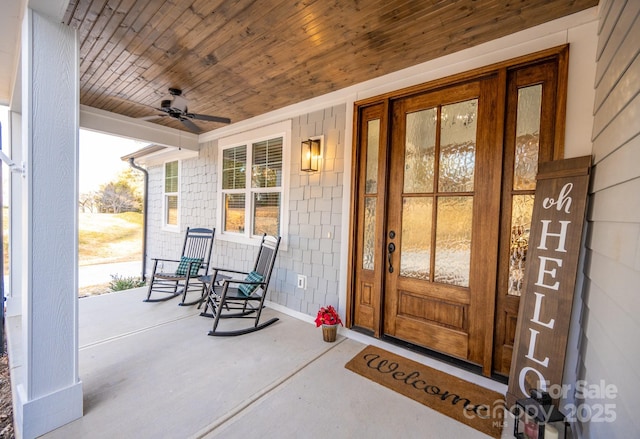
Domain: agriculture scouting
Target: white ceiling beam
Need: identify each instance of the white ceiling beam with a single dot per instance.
(111, 123)
(53, 8)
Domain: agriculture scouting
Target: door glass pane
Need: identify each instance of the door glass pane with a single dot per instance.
(369, 238)
(373, 143)
(419, 151)
(527, 137)
(234, 213)
(415, 258)
(266, 213)
(453, 240)
(521, 211)
(458, 146)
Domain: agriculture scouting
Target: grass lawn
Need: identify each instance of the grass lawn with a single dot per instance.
(106, 237)
(102, 238)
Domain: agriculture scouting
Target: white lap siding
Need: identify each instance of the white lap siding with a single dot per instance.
(609, 346)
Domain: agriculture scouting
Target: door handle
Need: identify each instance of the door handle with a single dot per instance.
(390, 249)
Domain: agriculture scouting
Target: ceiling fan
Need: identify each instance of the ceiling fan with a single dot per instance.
(176, 107)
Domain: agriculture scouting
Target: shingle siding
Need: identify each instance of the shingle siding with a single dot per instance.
(609, 349)
(315, 203)
(315, 215)
(169, 244)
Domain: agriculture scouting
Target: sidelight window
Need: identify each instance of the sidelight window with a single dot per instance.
(525, 169)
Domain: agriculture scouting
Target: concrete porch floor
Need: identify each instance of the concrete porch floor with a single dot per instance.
(149, 370)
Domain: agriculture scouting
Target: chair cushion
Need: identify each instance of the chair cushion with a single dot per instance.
(247, 289)
(184, 264)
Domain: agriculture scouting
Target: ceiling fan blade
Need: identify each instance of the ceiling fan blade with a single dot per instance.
(192, 126)
(209, 118)
(157, 116)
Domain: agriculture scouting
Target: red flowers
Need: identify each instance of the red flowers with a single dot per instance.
(328, 316)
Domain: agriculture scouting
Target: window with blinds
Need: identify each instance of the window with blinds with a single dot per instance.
(171, 194)
(234, 165)
(266, 169)
(252, 200)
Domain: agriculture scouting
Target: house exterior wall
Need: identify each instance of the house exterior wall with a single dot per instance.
(609, 351)
(322, 199)
(603, 101)
(318, 204)
(315, 215)
(315, 205)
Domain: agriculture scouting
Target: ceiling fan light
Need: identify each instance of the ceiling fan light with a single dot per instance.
(179, 103)
(175, 106)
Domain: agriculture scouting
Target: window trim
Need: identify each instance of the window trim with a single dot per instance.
(248, 138)
(165, 226)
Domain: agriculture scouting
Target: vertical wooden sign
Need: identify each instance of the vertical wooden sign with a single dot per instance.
(552, 263)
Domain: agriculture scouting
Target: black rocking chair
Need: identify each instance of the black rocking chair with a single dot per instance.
(242, 298)
(193, 263)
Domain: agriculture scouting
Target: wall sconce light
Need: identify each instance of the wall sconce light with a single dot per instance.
(310, 155)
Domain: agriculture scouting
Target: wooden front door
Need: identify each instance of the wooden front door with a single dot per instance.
(434, 195)
(428, 218)
(435, 290)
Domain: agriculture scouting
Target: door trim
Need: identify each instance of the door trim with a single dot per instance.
(560, 54)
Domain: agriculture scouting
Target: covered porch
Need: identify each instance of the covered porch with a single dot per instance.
(113, 366)
(150, 370)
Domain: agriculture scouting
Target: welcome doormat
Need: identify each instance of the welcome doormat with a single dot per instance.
(461, 400)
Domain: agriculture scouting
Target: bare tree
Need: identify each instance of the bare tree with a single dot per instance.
(87, 202)
(121, 195)
(116, 197)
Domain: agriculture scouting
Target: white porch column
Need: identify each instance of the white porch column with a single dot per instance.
(14, 298)
(51, 392)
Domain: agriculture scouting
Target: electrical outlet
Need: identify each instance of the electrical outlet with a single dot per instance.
(302, 281)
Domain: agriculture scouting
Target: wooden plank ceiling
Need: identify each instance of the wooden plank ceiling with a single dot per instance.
(243, 58)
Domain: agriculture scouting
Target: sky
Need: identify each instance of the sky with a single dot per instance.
(100, 158)
(99, 155)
